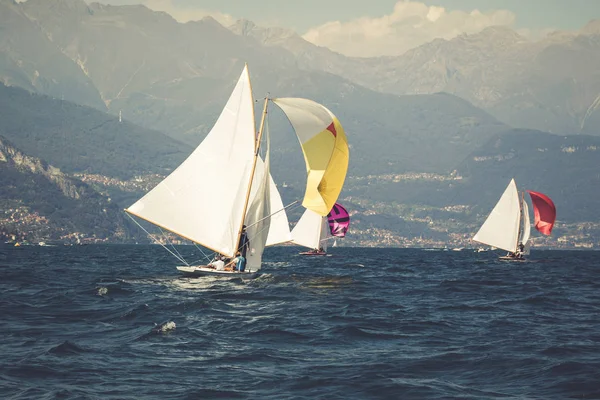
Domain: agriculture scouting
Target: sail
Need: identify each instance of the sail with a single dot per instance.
(308, 230)
(526, 224)
(526, 230)
(203, 199)
(339, 220)
(279, 231)
(527, 248)
(544, 212)
(501, 228)
(325, 150)
(324, 235)
(258, 219)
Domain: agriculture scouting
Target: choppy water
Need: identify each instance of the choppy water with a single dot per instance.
(94, 322)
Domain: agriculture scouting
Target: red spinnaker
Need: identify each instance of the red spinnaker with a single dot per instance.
(339, 220)
(544, 212)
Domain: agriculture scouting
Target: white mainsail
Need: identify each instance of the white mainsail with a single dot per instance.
(501, 228)
(311, 230)
(204, 199)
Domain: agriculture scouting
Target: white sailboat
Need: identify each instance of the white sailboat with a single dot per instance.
(326, 155)
(225, 185)
(312, 231)
(222, 186)
(508, 226)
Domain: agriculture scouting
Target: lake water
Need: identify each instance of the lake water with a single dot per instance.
(95, 322)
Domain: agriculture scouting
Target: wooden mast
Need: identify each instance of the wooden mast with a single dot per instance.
(256, 150)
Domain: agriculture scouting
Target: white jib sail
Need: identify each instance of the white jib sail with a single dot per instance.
(526, 229)
(279, 231)
(258, 219)
(203, 199)
(307, 231)
(501, 228)
(325, 234)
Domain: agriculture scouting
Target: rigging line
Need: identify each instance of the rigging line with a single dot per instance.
(296, 206)
(166, 248)
(267, 97)
(270, 215)
(327, 238)
(202, 251)
(179, 254)
(257, 234)
(168, 240)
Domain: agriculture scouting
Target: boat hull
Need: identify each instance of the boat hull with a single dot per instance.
(312, 253)
(509, 258)
(202, 270)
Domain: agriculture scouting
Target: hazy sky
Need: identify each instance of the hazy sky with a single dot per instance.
(378, 27)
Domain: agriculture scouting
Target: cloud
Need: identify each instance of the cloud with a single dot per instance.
(180, 12)
(410, 24)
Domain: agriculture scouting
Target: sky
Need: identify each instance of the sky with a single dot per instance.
(386, 27)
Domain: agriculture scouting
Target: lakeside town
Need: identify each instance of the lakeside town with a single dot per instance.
(21, 226)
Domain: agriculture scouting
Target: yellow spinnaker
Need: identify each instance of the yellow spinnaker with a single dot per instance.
(325, 148)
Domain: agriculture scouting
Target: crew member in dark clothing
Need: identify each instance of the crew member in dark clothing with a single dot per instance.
(244, 242)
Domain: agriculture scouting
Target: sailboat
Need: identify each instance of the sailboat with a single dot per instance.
(326, 155)
(221, 187)
(508, 226)
(224, 190)
(314, 231)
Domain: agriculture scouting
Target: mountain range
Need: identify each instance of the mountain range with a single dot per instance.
(552, 84)
(169, 75)
(428, 130)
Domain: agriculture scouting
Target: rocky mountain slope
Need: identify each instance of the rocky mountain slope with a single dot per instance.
(41, 203)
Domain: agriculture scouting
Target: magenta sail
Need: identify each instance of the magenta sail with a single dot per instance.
(544, 212)
(339, 220)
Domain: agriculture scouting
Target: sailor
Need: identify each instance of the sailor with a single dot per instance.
(238, 263)
(244, 242)
(218, 264)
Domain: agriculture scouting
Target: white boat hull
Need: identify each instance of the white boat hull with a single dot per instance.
(201, 270)
(312, 253)
(509, 258)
